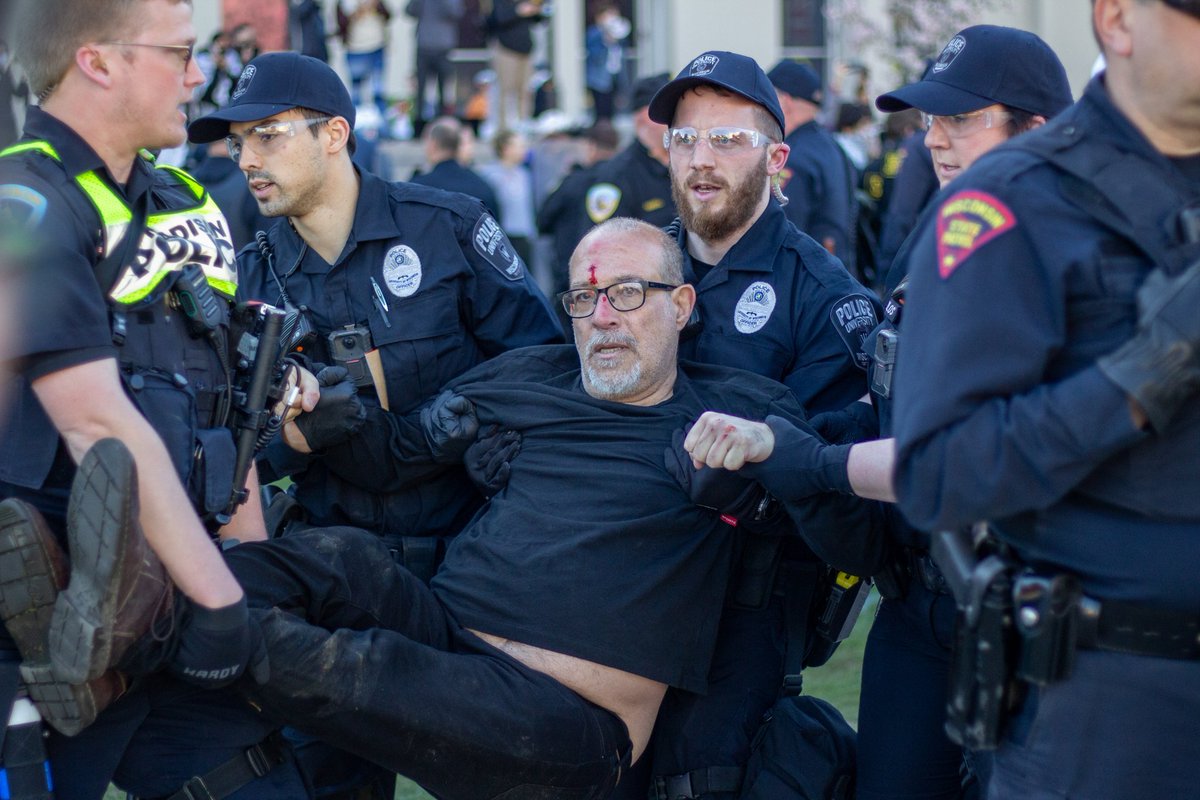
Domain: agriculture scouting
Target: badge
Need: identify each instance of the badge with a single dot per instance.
(966, 222)
(703, 65)
(754, 307)
(402, 271)
(496, 249)
(854, 318)
(244, 81)
(949, 53)
(601, 201)
(653, 204)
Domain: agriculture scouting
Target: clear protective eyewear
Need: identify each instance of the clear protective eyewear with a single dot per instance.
(627, 295)
(264, 138)
(721, 140)
(957, 126)
(184, 51)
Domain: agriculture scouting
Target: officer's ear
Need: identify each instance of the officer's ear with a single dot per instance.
(93, 64)
(1111, 22)
(684, 299)
(777, 155)
(339, 131)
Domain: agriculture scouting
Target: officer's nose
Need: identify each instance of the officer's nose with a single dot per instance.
(935, 137)
(248, 160)
(702, 156)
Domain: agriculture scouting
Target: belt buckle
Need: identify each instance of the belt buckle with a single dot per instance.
(674, 787)
(197, 789)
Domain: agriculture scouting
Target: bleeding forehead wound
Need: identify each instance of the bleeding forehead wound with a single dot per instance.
(592, 275)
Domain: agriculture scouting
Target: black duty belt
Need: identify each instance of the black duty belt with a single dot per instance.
(1140, 630)
(225, 779)
(699, 783)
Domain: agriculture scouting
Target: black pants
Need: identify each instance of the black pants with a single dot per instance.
(433, 64)
(365, 657)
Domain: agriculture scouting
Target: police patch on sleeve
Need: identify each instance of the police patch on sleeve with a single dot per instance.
(854, 318)
(402, 271)
(21, 211)
(754, 307)
(492, 243)
(966, 222)
(601, 201)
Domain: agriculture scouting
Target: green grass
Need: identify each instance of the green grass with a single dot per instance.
(837, 682)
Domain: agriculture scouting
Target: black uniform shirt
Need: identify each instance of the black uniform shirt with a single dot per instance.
(818, 183)
(631, 184)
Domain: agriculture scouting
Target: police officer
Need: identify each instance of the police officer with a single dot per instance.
(634, 182)
(1045, 294)
(107, 352)
(771, 300)
(818, 180)
(405, 286)
(442, 140)
(903, 749)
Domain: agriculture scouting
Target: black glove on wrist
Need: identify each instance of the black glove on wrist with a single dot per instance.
(450, 426)
(339, 413)
(725, 491)
(489, 459)
(217, 645)
(1159, 367)
(801, 465)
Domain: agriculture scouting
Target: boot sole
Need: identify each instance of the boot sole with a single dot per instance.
(101, 514)
(30, 579)
(69, 709)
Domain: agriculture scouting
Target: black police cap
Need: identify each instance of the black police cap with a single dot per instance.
(984, 65)
(645, 89)
(731, 71)
(273, 83)
(798, 80)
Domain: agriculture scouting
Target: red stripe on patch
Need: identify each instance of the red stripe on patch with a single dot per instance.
(966, 222)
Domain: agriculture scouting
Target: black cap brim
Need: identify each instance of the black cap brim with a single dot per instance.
(932, 97)
(662, 107)
(215, 126)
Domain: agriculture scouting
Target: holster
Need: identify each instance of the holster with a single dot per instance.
(984, 690)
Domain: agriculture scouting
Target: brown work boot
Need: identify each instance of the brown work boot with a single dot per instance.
(118, 587)
(33, 569)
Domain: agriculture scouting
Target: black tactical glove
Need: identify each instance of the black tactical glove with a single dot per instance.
(450, 426)
(339, 413)
(801, 465)
(728, 492)
(218, 645)
(857, 422)
(1159, 367)
(489, 459)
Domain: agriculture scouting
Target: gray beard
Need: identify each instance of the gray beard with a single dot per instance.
(607, 383)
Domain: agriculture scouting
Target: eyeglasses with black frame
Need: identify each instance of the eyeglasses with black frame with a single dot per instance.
(266, 136)
(185, 51)
(626, 295)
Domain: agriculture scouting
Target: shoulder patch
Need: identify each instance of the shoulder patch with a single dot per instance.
(492, 243)
(965, 222)
(601, 201)
(854, 318)
(21, 211)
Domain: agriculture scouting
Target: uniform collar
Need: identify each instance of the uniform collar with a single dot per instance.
(373, 220)
(77, 156)
(755, 251)
(653, 165)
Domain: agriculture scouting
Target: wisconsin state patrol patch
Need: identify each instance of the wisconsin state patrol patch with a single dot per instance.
(966, 222)
(854, 318)
(491, 243)
(402, 271)
(601, 201)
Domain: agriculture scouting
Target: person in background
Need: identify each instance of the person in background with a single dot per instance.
(363, 29)
(13, 89)
(509, 177)
(635, 182)
(437, 35)
(443, 142)
(817, 180)
(510, 27)
(854, 131)
(604, 58)
(306, 28)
